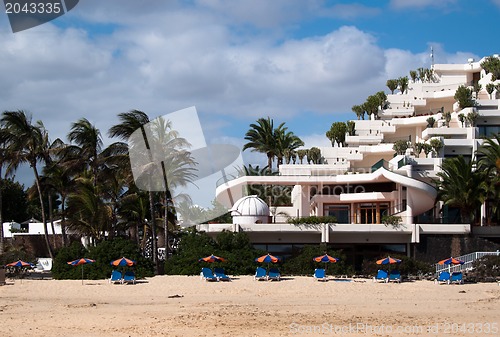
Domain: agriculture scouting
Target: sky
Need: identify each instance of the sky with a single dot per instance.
(305, 63)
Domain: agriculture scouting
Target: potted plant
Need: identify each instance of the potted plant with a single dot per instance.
(430, 122)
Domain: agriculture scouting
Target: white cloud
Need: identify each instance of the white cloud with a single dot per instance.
(404, 4)
(167, 56)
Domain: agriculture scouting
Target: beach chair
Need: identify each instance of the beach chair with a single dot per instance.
(221, 274)
(394, 276)
(274, 274)
(208, 275)
(443, 277)
(319, 275)
(456, 277)
(260, 274)
(382, 276)
(129, 277)
(116, 277)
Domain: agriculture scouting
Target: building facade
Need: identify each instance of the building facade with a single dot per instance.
(365, 180)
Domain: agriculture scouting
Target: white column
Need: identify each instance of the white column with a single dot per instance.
(483, 213)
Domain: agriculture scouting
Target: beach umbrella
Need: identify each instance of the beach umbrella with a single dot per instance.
(450, 261)
(212, 258)
(388, 260)
(268, 258)
(123, 262)
(326, 259)
(20, 264)
(80, 262)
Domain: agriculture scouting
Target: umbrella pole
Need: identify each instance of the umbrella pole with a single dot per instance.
(82, 274)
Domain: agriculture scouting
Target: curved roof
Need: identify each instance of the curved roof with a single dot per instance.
(250, 205)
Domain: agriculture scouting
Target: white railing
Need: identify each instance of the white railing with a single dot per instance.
(468, 261)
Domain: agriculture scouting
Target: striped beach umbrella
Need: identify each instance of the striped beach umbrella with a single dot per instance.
(450, 261)
(326, 259)
(19, 263)
(268, 258)
(388, 260)
(80, 262)
(123, 262)
(212, 258)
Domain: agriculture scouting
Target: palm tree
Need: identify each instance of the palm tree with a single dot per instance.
(359, 111)
(27, 143)
(489, 162)
(461, 186)
(165, 143)
(87, 212)
(261, 138)
(5, 159)
(286, 141)
(88, 146)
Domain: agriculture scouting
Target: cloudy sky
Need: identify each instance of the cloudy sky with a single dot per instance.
(300, 62)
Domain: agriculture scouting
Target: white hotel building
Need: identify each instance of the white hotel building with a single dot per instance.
(364, 180)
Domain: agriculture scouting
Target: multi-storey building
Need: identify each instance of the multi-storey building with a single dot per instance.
(364, 180)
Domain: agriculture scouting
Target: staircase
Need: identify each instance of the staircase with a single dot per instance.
(468, 261)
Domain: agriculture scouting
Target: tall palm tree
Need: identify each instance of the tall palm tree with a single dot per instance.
(88, 146)
(5, 159)
(489, 162)
(262, 138)
(461, 186)
(87, 212)
(27, 143)
(165, 143)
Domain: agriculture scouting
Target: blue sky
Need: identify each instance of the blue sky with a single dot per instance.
(300, 62)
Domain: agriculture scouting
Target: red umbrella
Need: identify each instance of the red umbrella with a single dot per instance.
(81, 262)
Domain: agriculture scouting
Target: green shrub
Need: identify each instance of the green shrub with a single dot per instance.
(408, 266)
(486, 268)
(312, 220)
(103, 253)
(302, 263)
(234, 247)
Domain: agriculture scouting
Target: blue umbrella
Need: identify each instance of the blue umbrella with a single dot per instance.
(80, 262)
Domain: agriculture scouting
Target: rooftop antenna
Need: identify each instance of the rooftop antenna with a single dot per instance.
(432, 57)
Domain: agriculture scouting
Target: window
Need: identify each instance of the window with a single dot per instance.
(341, 212)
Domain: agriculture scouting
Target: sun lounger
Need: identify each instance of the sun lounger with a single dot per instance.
(319, 274)
(456, 277)
(208, 275)
(443, 277)
(116, 277)
(221, 274)
(274, 274)
(382, 276)
(260, 274)
(395, 276)
(129, 277)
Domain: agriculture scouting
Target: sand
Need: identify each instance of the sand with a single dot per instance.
(296, 306)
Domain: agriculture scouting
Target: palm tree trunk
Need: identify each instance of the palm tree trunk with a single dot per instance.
(44, 219)
(153, 232)
(51, 219)
(1, 216)
(63, 221)
(166, 204)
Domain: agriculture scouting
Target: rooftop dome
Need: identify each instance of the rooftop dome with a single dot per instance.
(250, 205)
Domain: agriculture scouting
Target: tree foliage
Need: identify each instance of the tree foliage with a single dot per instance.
(492, 65)
(463, 96)
(234, 247)
(337, 132)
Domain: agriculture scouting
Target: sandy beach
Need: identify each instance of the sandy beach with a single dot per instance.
(187, 306)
